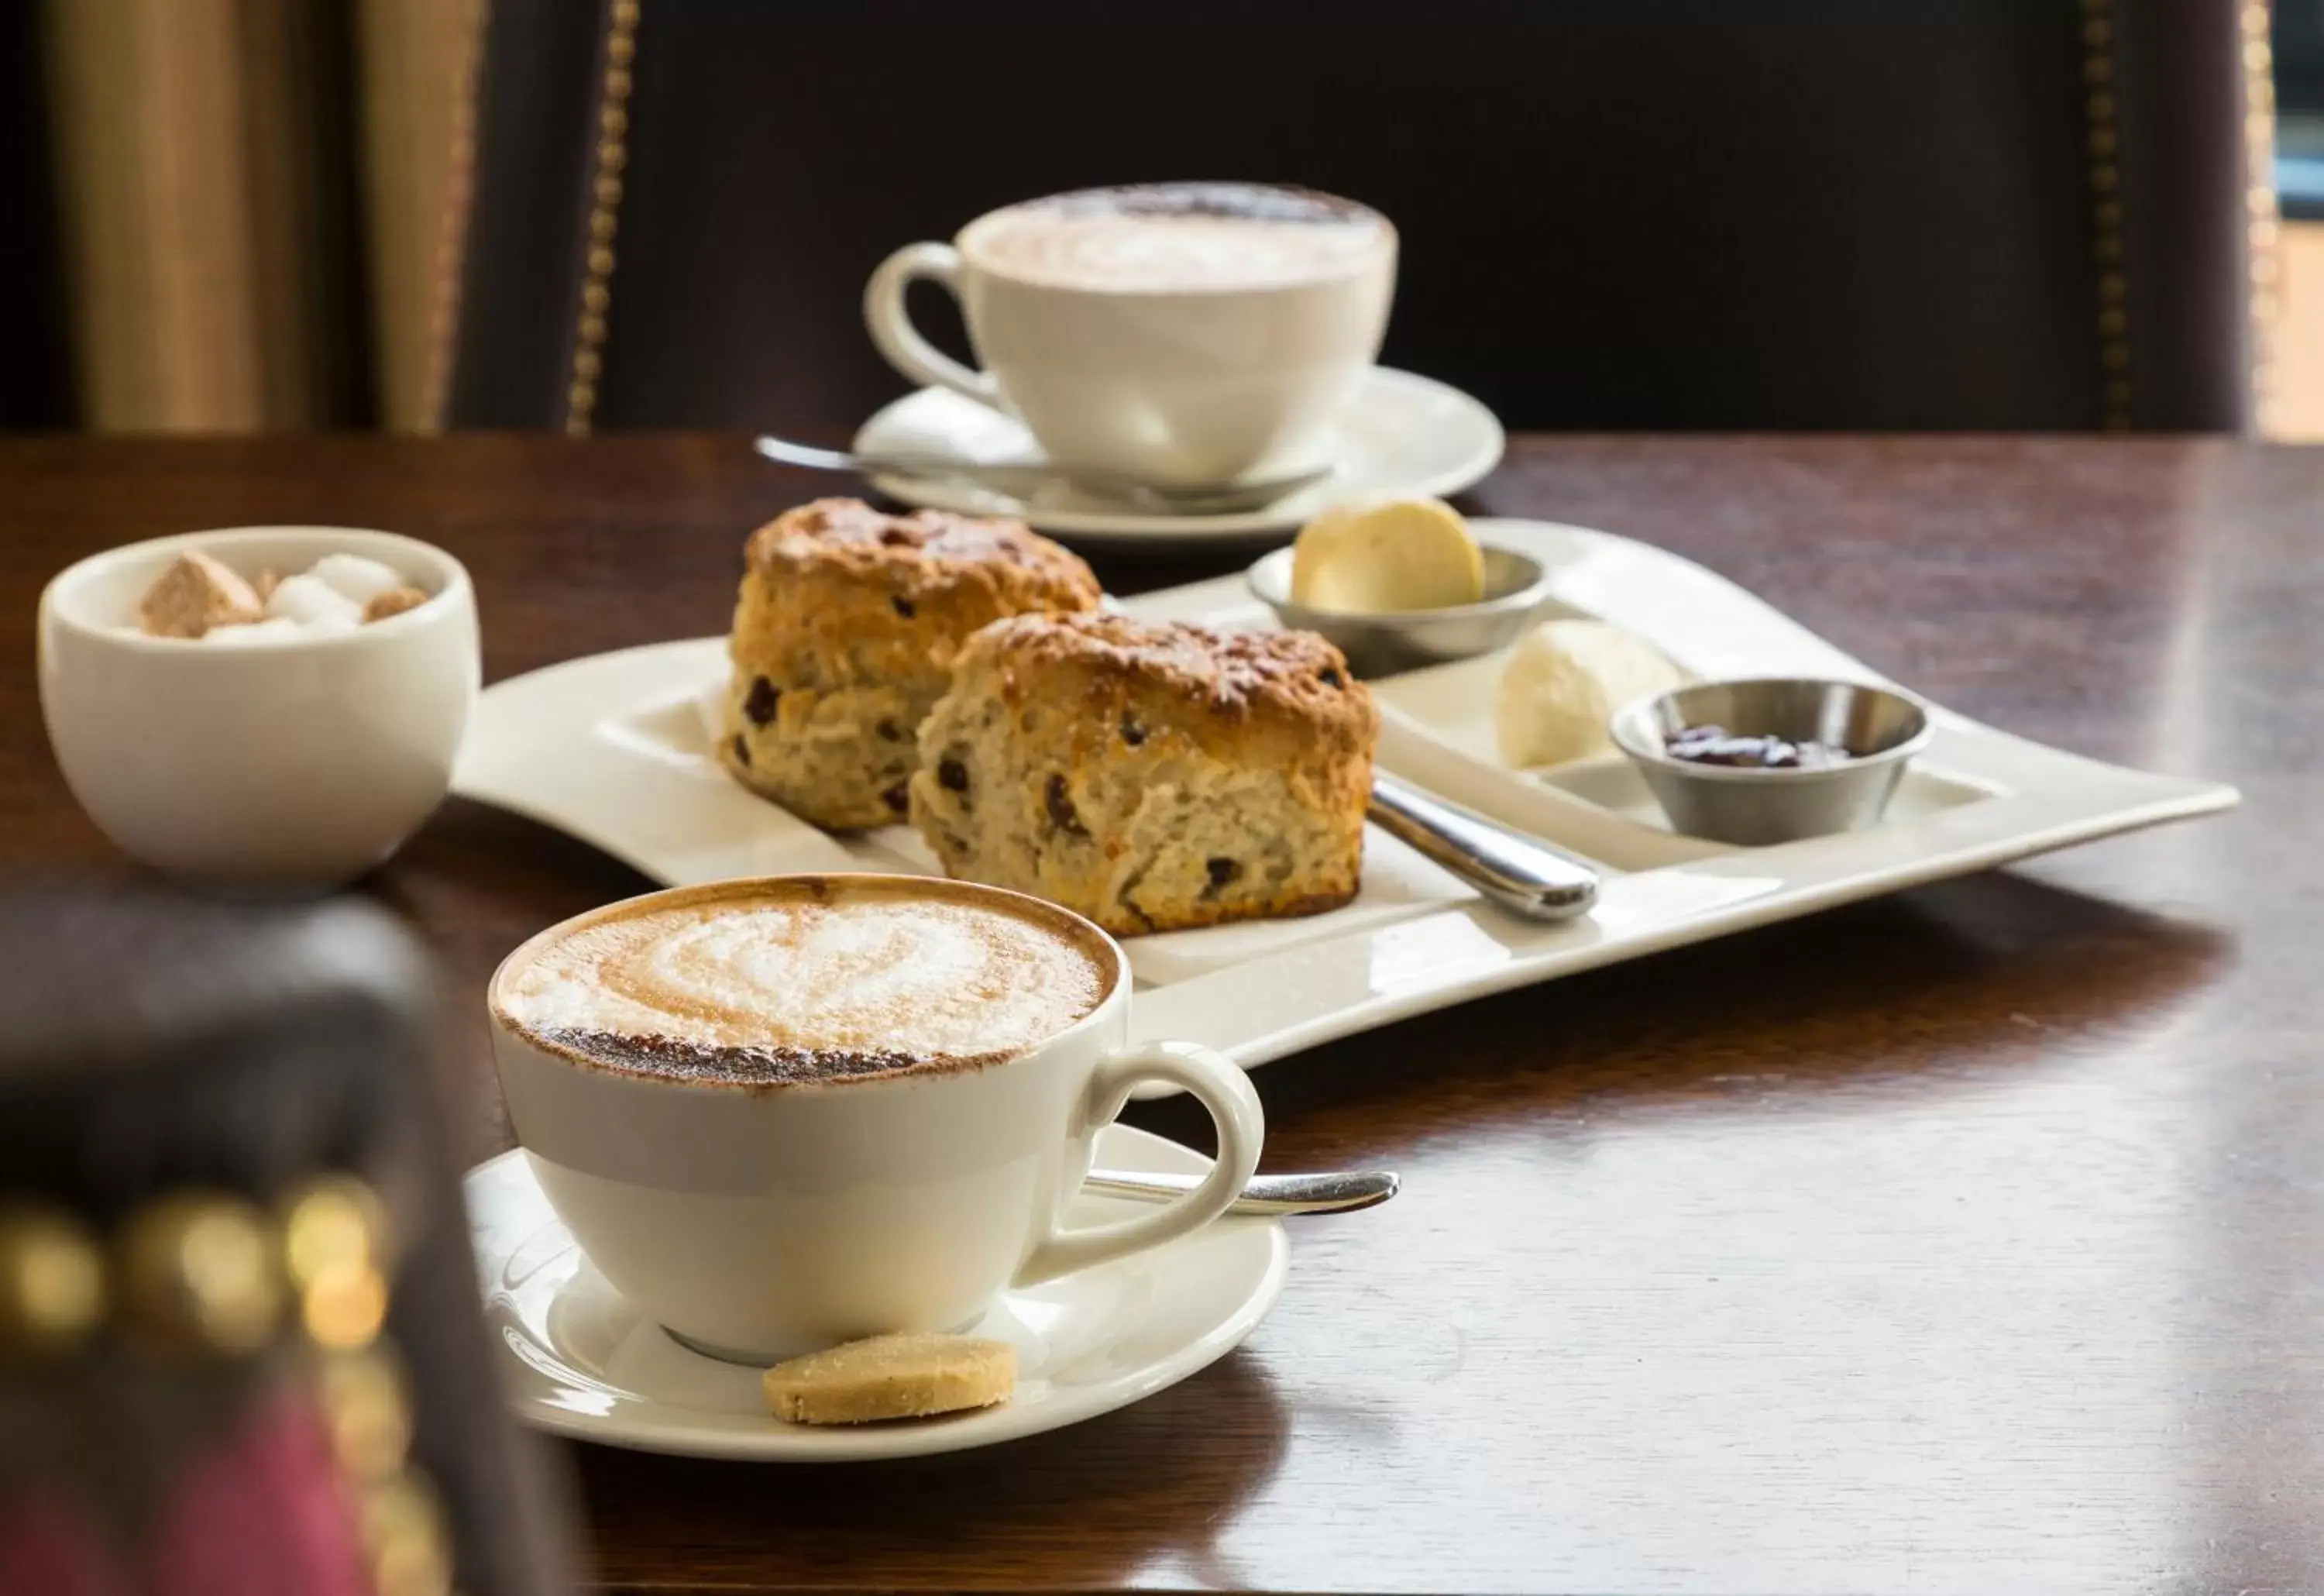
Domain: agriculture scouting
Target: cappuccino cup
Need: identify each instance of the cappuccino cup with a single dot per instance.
(1184, 334)
(785, 1113)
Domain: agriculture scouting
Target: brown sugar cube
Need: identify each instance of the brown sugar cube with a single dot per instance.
(194, 595)
(393, 602)
(889, 1377)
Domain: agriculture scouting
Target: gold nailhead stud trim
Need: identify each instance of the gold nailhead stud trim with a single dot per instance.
(335, 1252)
(367, 1411)
(606, 189)
(198, 1273)
(2263, 239)
(332, 1223)
(52, 1284)
(404, 1529)
(335, 1245)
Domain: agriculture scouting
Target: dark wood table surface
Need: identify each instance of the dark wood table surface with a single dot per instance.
(1969, 1240)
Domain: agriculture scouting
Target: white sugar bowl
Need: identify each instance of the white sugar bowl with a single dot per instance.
(285, 761)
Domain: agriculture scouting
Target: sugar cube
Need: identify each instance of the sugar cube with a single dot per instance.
(274, 630)
(355, 578)
(194, 595)
(308, 599)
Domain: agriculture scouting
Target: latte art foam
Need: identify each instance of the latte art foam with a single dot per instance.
(1179, 238)
(800, 988)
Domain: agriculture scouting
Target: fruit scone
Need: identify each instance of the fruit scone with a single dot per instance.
(1150, 775)
(845, 634)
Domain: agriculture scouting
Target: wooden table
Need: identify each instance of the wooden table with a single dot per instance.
(1970, 1239)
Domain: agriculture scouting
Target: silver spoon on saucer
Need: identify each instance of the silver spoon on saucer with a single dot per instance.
(1022, 479)
(1338, 1191)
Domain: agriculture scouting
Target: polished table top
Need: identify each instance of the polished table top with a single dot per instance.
(1971, 1239)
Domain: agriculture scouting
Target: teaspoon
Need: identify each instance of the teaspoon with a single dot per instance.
(1339, 1190)
(1023, 479)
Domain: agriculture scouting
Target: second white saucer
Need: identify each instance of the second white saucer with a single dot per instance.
(578, 1360)
(1400, 434)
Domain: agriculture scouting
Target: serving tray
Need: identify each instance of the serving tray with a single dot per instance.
(614, 750)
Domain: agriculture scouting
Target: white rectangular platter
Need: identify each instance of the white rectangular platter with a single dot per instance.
(615, 751)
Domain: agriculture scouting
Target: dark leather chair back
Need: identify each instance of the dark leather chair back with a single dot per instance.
(1793, 214)
(240, 1345)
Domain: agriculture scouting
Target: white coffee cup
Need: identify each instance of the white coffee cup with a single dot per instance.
(763, 1220)
(288, 766)
(1140, 331)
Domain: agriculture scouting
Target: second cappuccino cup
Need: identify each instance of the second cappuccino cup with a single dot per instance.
(1183, 334)
(782, 1113)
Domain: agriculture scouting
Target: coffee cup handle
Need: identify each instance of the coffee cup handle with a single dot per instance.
(890, 323)
(1219, 1086)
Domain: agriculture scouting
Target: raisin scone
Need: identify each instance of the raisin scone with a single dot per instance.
(844, 635)
(1151, 776)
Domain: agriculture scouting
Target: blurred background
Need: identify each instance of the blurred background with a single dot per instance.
(230, 215)
(239, 215)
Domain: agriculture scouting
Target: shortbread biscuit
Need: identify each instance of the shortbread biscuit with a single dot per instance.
(887, 1377)
(844, 634)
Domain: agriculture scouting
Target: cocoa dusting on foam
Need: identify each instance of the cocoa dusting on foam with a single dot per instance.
(1243, 202)
(668, 1058)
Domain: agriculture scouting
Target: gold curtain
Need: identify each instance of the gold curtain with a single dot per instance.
(252, 200)
(418, 62)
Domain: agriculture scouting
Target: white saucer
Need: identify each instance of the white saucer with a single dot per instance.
(578, 1360)
(1400, 434)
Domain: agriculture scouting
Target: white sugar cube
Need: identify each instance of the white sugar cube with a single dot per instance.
(309, 599)
(276, 630)
(355, 577)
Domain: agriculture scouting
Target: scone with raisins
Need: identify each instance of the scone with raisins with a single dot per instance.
(1149, 775)
(844, 635)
